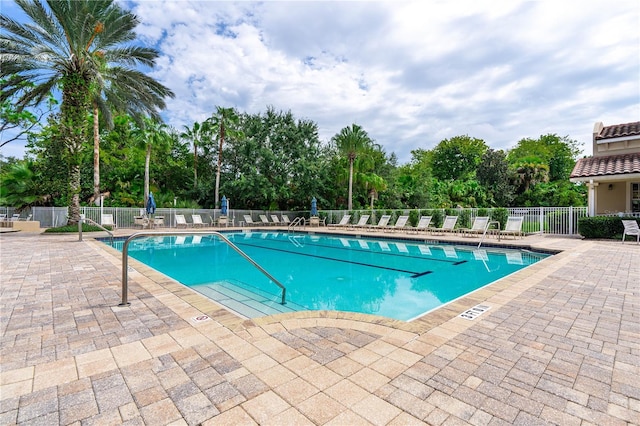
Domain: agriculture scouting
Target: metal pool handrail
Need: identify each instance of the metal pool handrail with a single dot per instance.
(125, 258)
(84, 219)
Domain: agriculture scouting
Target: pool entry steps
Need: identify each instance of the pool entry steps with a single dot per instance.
(125, 259)
(247, 302)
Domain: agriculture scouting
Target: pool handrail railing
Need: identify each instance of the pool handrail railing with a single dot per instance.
(125, 258)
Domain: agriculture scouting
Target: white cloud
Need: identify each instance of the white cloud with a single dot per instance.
(411, 72)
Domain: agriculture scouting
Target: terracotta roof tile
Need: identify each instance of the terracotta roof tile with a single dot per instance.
(604, 166)
(620, 130)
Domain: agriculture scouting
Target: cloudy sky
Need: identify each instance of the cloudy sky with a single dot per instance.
(410, 73)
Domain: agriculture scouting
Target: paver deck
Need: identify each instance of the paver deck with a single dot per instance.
(560, 345)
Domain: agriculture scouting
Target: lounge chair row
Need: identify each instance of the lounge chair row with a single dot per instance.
(480, 225)
(264, 220)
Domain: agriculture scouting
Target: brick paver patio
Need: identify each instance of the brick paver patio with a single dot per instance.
(560, 345)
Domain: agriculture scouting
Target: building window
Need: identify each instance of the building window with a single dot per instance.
(635, 197)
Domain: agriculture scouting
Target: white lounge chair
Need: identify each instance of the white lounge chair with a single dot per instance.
(480, 225)
(382, 223)
(275, 220)
(631, 228)
(158, 221)
(141, 221)
(513, 226)
(343, 222)
(107, 220)
(248, 220)
(400, 224)
(15, 217)
(362, 222)
(423, 224)
(264, 219)
(285, 219)
(448, 225)
(181, 221)
(197, 221)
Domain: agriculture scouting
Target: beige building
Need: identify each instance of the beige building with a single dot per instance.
(613, 172)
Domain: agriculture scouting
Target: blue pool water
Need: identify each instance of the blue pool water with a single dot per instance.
(393, 278)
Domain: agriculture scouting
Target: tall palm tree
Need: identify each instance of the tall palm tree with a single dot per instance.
(126, 90)
(196, 134)
(352, 141)
(224, 122)
(152, 135)
(65, 45)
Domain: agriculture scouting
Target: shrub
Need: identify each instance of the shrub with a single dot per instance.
(414, 217)
(436, 217)
(74, 228)
(464, 221)
(500, 215)
(602, 226)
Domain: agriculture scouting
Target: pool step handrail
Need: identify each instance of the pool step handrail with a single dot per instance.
(94, 223)
(484, 234)
(298, 221)
(125, 258)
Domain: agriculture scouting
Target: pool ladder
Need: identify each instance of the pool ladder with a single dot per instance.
(298, 221)
(125, 258)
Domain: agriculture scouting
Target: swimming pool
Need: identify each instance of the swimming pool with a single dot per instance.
(398, 279)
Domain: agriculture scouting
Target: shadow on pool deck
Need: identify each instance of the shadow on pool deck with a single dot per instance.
(560, 344)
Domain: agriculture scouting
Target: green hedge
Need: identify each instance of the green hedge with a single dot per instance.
(602, 226)
(74, 228)
(500, 215)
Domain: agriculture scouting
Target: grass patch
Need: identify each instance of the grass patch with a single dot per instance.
(74, 228)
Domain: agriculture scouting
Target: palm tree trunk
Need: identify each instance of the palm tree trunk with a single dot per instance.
(350, 205)
(73, 128)
(195, 164)
(147, 161)
(74, 188)
(217, 194)
(96, 153)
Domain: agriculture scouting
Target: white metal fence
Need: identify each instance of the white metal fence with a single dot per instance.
(548, 220)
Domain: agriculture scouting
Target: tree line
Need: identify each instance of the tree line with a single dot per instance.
(273, 161)
(106, 139)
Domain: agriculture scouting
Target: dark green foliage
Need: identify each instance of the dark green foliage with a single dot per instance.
(602, 226)
(457, 158)
(464, 219)
(437, 217)
(451, 212)
(494, 175)
(74, 228)
(500, 215)
(413, 218)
